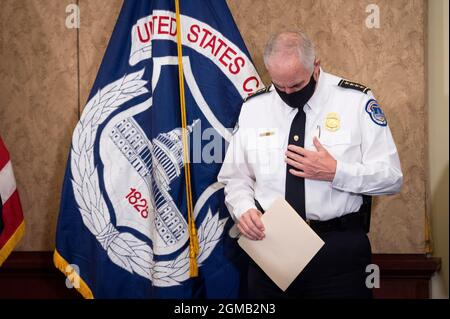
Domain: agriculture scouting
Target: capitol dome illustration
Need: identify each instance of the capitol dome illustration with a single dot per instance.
(158, 162)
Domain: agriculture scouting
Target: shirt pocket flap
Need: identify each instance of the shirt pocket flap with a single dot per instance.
(336, 138)
(264, 140)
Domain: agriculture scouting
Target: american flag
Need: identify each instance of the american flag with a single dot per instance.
(11, 215)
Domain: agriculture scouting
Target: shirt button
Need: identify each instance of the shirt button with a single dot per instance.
(296, 138)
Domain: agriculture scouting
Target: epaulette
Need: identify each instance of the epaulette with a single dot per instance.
(353, 85)
(259, 92)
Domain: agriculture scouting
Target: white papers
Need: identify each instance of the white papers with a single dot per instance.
(288, 246)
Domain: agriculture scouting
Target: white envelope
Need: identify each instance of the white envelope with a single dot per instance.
(288, 246)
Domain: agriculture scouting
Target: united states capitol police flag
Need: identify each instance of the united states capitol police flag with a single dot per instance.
(136, 220)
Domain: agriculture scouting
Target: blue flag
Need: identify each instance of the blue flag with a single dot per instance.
(123, 224)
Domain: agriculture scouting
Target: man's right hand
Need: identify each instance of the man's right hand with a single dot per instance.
(250, 224)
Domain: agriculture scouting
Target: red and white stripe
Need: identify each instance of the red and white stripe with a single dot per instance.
(12, 214)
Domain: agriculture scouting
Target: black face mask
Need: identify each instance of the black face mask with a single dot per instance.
(300, 98)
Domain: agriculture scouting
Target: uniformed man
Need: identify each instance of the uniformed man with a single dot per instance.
(321, 142)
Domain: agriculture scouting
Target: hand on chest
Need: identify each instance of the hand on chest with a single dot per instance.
(338, 133)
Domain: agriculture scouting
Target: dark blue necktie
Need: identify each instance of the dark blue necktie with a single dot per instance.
(295, 186)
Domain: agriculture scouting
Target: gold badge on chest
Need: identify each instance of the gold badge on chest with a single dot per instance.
(332, 122)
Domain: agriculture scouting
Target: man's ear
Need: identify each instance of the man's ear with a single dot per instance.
(316, 68)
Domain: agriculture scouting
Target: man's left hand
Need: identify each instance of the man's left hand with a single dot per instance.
(318, 165)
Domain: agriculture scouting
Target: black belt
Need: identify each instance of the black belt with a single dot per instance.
(349, 221)
(346, 222)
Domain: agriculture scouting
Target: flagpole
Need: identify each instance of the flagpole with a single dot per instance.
(193, 239)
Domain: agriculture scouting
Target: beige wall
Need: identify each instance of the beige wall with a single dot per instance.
(438, 106)
(38, 91)
(38, 107)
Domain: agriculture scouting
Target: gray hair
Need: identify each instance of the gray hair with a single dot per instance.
(290, 43)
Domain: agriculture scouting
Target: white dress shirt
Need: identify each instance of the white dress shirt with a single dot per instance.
(366, 155)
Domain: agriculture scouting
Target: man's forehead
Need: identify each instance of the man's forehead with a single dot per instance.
(288, 76)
